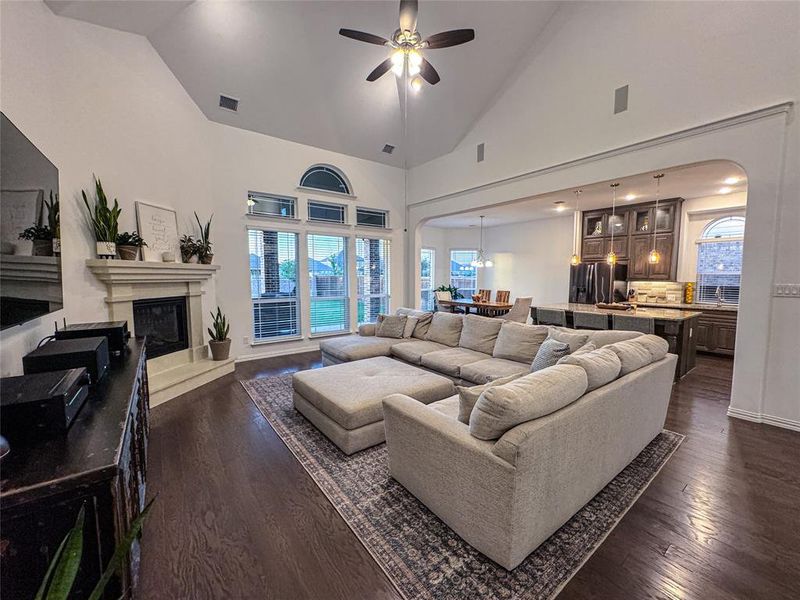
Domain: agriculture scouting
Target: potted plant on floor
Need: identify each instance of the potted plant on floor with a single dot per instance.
(188, 249)
(104, 221)
(42, 238)
(220, 343)
(54, 221)
(204, 251)
(128, 245)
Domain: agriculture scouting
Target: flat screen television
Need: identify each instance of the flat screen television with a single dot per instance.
(30, 263)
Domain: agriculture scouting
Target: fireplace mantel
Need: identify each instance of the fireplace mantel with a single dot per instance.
(127, 281)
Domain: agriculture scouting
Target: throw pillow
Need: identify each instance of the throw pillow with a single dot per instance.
(536, 395)
(612, 336)
(445, 329)
(587, 347)
(602, 366)
(411, 323)
(549, 354)
(575, 340)
(632, 355)
(423, 323)
(390, 326)
(468, 396)
(479, 333)
(519, 342)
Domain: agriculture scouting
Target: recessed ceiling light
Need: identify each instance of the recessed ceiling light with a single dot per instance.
(732, 181)
(725, 190)
(630, 197)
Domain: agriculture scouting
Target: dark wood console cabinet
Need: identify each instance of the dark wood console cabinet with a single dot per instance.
(100, 463)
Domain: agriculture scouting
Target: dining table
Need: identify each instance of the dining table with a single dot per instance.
(480, 306)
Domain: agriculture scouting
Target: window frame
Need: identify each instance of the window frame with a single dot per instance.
(703, 242)
(336, 172)
(381, 211)
(347, 285)
(450, 272)
(387, 244)
(336, 205)
(432, 277)
(252, 213)
(257, 341)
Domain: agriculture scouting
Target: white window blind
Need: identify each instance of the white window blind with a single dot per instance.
(326, 212)
(372, 266)
(327, 281)
(719, 261)
(271, 206)
(427, 271)
(273, 284)
(463, 276)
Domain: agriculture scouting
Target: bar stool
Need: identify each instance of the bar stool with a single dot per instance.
(587, 320)
(550, 316)
(629, 323)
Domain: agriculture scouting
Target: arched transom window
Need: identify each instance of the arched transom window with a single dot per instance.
(322, 177)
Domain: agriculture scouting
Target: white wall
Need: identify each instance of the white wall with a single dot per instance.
(96, 100)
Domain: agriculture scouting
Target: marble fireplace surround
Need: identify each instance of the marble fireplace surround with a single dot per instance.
(126, 281)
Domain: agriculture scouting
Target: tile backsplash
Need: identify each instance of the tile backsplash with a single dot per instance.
(669, 292)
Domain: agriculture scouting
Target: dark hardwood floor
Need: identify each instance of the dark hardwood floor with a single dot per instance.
(238, 517)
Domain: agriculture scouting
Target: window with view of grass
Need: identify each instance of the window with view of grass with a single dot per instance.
(463, 276)
(328, 285)
(719, 261)
(372, 266)
(273, 284)
(427, 270)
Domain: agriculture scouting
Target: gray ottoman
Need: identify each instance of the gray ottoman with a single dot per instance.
(344, 401)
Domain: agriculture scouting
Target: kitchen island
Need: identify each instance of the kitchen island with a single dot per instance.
(677, 326)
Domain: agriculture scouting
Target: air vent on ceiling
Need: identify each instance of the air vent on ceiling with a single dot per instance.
(621, 99)
(481, 152)
(228, 103)
(388, 148)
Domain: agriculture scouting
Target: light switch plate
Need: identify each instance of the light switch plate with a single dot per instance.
(786, 290)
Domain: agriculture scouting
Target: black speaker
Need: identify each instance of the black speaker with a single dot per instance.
(90, 353)
(116, 332)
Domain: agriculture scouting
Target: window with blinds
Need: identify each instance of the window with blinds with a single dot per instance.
(427, 270)
(372, 266)
(326, 212)
(463, 276)
(273, 284)
(719, 261)
(267, 205)
(327, 282)
(370, 217)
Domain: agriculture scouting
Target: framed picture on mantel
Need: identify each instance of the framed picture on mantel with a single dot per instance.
(158, 226)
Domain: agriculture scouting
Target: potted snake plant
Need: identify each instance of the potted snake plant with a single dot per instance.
(104, 221)
(54, 221)
(220, 343)
(203, 245)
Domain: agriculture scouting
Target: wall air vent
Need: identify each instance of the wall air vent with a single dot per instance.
(621, 99)
(388, 148)
(228, 103)
(481, 153)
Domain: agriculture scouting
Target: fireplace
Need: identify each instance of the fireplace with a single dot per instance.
(163, 321)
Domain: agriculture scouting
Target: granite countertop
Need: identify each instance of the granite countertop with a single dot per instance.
(663, 314)
(700, 307)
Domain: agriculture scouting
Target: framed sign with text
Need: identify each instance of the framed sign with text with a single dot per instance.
(158, 226)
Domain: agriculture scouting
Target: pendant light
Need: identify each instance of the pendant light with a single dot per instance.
(655, 256)
(481, 260)
(611, 257)
(576, 257)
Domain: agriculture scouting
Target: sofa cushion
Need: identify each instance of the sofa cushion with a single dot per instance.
(479, 333)
(356, 347)
(657, 346)
(574, 339)
(468, 396)
(587, 347)
(550, 352)
(519, 342)
(450, 360)
(445, 329)
(632, 355)
(604, 338)
(411, 351)
(391, 326)
(423, 323)
(602, 366)
(502, 407)
(448, 406)
(490, 369)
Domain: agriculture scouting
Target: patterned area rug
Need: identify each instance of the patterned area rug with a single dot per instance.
(421, 555)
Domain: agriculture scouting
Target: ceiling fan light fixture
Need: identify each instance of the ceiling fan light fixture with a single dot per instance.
(398, 69)
(414, 58)
(398, 57)
(416, 84)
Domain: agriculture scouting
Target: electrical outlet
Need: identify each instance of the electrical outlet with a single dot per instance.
(786, 290)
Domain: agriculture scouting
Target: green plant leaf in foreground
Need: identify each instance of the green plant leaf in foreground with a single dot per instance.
(64, 567)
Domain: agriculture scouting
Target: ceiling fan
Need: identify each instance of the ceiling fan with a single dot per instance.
(408, 45)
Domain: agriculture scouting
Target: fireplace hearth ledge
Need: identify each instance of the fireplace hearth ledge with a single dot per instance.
(179, 372)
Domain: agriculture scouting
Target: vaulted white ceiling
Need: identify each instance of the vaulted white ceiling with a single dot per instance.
(297, 79)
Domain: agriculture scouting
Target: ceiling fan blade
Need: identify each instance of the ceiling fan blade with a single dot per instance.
(363, 37)
(408, 15)
(446, 39)
(428, 73)
(380, 70)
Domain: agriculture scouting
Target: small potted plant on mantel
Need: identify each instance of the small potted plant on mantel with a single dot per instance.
(220, 343)
(42, 238)
(204, 251)
(54, 221)
(188, 249)
(104, 221)
(128, 245)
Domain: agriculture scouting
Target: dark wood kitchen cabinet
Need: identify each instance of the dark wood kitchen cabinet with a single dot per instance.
(716, 332)
(99, 464)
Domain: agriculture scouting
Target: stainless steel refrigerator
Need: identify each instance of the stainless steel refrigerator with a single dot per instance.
(590, 283)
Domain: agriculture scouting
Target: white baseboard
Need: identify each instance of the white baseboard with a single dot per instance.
(284, 352)
(747, 415)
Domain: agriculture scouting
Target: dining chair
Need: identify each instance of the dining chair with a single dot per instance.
(502, 297)
(486, 295)
(588, 320)
(630, 323)
(551, 316)
(442, 296)
(519, 312)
